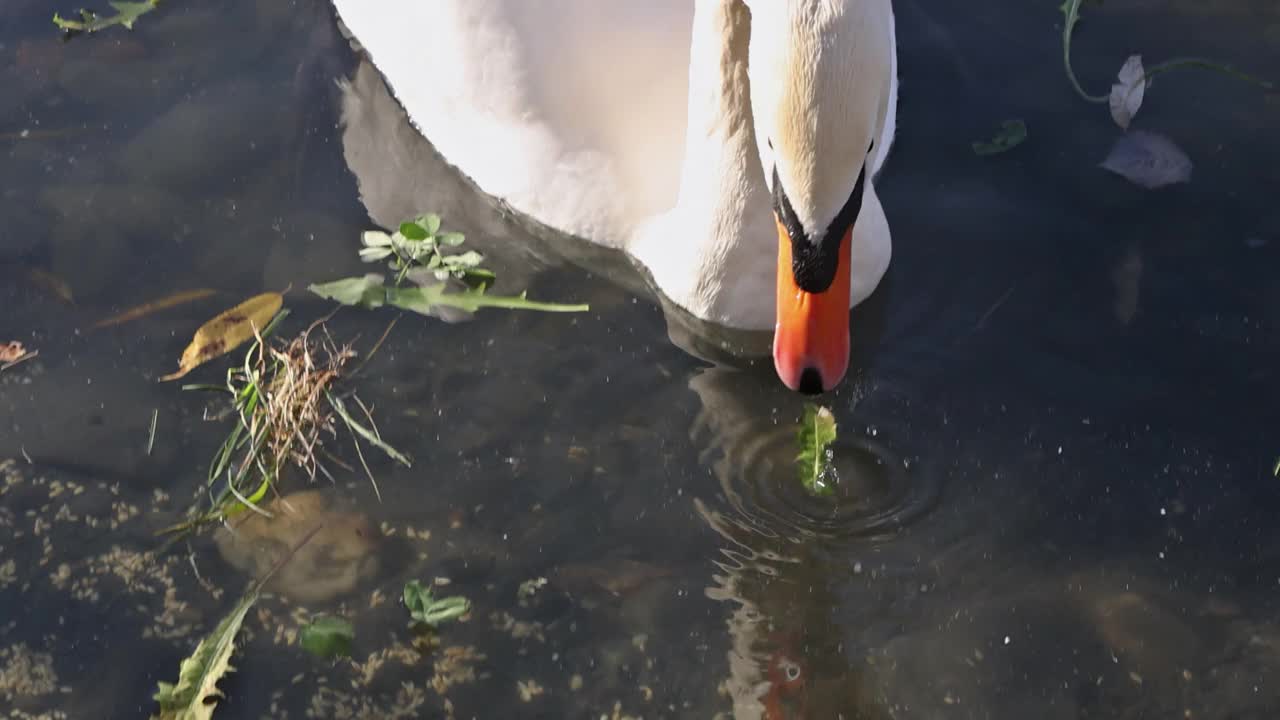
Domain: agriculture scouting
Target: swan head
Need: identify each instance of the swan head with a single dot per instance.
(820, 73)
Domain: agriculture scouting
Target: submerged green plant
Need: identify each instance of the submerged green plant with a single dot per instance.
(327, 637)
(416, 252)
(427, 611)
(814, 460)
(127, 13)
(196, 693)
(1012, 133)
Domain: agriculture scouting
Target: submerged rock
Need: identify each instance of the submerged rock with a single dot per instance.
(341, 555)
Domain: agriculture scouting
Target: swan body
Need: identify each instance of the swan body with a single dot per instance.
(721, 143)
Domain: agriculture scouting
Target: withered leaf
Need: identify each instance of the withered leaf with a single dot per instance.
(163, 303)
(1148, 159)
(1127, 91)
(227, 331)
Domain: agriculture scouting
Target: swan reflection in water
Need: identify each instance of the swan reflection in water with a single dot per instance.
(915, 595)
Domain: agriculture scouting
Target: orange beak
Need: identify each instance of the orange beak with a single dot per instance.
(811, 340)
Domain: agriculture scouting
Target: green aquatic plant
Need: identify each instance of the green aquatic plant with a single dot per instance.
(417, 252)
(195, 695)
(1126, 94)
(127, 13)
(1012, 133)
(814, 460)
(327, 637)
(428, 611)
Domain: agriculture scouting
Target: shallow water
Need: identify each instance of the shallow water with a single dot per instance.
(1057, 446)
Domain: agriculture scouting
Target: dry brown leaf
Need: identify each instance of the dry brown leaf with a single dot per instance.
(13, 353)
(163, 303)
(227, 331)
(618, 577)
(1127, 91)
(10, 352)
(52, 284)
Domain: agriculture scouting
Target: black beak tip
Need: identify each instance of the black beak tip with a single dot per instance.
(810, 382)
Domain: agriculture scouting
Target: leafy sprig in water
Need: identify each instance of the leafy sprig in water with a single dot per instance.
(127, 13)
(428, 611)
(814, 460)
(416, 249)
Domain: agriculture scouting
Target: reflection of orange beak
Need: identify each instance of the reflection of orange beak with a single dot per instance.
(811, 341)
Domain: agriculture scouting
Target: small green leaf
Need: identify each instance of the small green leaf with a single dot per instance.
(413, 231)
(468, 259)
(374, 254)
(366, 291)
(1012, 134)
(426, 610)
(451, 239)
(416, 597)
(817, 432)
(429, 222)
(327, 637)
(374, 238)
(127, 13)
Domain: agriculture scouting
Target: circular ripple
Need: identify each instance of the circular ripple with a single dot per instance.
(875, 492)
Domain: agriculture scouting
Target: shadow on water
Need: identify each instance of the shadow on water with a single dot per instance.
(1055, 450)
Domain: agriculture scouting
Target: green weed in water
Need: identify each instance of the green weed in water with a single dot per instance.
(813, 461)
(1071, 15)
(1012, 134)
(196, 693)
(416, 252)
(427, 611)
(127, 13)
(327, 637)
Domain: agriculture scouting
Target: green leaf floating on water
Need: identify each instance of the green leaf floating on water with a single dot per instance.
(1012, 134)
(411, 251)
(127, 13)
(366, 292)
(196, 694)
(427, 610)
(327, 637)
(370, 292)
(817, 432)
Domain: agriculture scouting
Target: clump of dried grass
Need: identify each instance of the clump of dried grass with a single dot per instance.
(286, 404)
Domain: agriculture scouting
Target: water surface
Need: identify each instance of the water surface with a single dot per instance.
(1057, 443)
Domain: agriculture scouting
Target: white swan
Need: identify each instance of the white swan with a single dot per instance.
(730, 146)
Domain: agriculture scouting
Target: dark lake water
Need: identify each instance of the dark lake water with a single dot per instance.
(1057, 438)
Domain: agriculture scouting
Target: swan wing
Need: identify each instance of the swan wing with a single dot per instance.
(572, 111)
